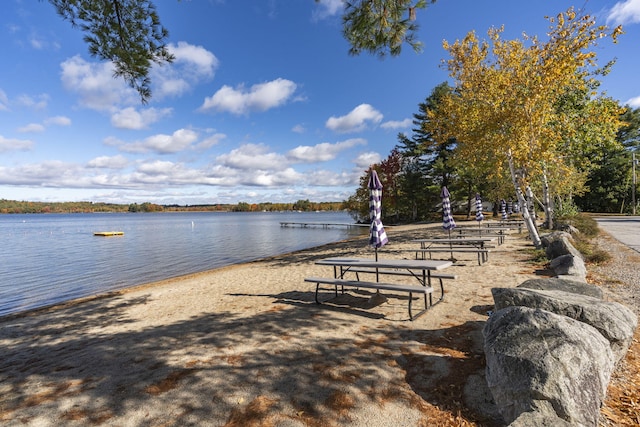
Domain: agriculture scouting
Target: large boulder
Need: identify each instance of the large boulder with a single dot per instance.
(612, 320)
(567, 228)
(530, 419)
(541, 362)
(569, 265)
(556, 284)
(557, 244)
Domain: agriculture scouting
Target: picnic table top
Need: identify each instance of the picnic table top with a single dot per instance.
(409, 264)
(456, 240)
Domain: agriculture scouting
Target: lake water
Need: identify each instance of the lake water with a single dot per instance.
(52, 258)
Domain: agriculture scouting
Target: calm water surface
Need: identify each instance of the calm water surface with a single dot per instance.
(52, 258)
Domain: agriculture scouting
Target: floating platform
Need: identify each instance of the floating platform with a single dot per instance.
(108, 233)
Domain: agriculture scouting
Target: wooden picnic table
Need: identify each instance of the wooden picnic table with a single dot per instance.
(500, 233)
(418, 269)
(455, 245)
(507, 223)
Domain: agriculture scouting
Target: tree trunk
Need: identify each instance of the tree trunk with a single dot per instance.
(548, 208)
(528, 221)
(469, 187)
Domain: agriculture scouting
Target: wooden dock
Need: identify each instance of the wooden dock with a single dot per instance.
(321, 224)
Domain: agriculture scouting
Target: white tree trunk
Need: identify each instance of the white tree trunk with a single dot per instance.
(528, 221)
(548, 208)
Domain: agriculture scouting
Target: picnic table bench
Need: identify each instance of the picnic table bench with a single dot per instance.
(422, 270)
(411, 289)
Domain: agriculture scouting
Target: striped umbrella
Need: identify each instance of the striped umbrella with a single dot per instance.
(447, 219)
(377, 235)
(503, 209)
(479, 215)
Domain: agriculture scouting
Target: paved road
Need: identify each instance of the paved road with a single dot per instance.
(624, 228)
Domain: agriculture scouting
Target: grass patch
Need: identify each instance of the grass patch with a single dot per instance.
(588, 226)
(583, 241)
(537, 256)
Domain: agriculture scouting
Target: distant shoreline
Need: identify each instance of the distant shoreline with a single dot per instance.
(26, 207)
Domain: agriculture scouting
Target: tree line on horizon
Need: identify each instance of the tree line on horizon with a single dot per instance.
(22, 207)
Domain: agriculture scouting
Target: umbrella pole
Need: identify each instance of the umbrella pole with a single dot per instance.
(377, 278)
(450, 244)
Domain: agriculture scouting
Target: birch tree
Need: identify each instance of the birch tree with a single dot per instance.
(504, 107)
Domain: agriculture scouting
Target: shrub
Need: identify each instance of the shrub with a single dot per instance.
(582, 241)
(588, 226)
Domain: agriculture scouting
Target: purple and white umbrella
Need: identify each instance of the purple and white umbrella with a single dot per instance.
(503, 209)
(479, 214)
(447, 219)
(377, 235)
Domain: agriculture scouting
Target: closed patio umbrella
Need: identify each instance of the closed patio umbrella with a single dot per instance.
(377, 235)
(479, 214)
(503, 209)
(447, 219)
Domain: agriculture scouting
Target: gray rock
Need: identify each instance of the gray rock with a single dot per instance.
(547, 239)
(573, 278)
(612, 320)
(568, 228)
(560, 245)
(538, 361)
(569, 265)
(537, 419)
(567, 285)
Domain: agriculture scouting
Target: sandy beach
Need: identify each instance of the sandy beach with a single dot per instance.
(247, 346)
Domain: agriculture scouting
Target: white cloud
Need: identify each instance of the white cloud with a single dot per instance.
(298, 129)
(627, 12)
(38, 103)
(394, 124)
(198, 59)
(50, 173)
(58, 121)
(322, 152)
(192, 64)
(11, 144)
(325, 178)
(130, 118)
(108, 162)
(253, 156)
(259, 97)
(37, 127)
(634, 102)
(327, 8)
(31, 128)
(95, 84)
(180, 140)
(210, 141)
(365, 160)
(356, 120)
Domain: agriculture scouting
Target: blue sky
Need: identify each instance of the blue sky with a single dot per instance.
(263, 102)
